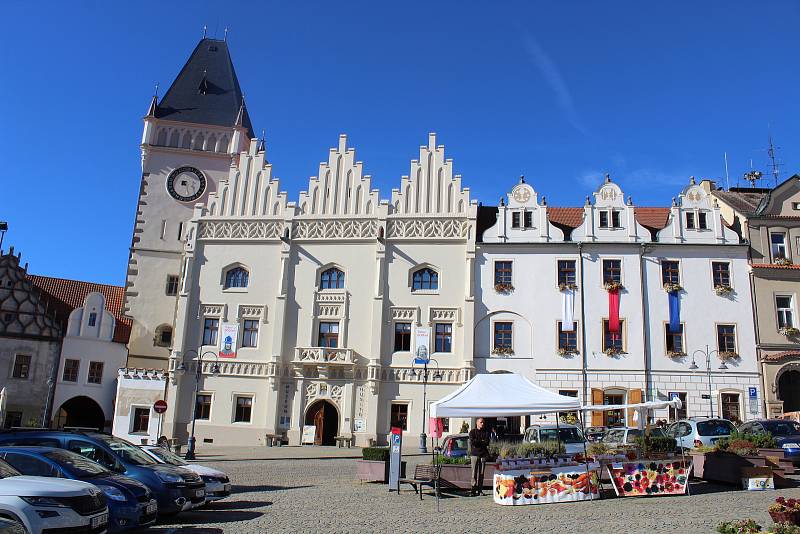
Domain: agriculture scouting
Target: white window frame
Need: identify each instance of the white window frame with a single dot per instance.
(621, 270)
(772, 245)
(790, 309)
(234, 399)
(132, 419)
(210, 407)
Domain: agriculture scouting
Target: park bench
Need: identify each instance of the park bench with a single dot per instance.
(344, 441)
(273, 440)
(424, 475)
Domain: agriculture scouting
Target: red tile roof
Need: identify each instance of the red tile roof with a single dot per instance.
(572, 217)
(70, 294)
(774, 266)
(655, 218)
(781, 355)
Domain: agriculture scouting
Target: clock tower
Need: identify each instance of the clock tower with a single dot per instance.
(190, 139)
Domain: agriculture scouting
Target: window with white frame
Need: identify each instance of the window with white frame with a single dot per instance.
(95, 375)
(784, 307)
(237, 277)
(778, 245)
(250, 333)
(690, 221)
(610, 219)
(244, 409)
(425, 279)
(172, 285)
(210, 330)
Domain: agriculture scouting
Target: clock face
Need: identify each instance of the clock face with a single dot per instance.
(522, 194)
(186, 184)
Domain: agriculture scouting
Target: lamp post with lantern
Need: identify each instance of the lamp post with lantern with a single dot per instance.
(423, 365)
(693, 367)
(181, 369)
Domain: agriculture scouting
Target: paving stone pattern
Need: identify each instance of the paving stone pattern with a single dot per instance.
(322, 495)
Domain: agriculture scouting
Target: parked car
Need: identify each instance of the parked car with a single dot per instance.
(594, 433)
(623, 435)
(9, 526)
(570, 435)
(175, 488)
(699, 432)
(130, 503)
(785, 432)
(51, 504)
(218, 485)
(456, 445)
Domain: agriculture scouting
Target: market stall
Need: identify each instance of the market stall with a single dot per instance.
(534, 479)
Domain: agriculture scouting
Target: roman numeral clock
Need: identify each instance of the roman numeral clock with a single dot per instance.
(186, 184)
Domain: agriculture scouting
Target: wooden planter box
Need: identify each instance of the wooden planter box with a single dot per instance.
(723, 467)
(460, 476)
(376, 471)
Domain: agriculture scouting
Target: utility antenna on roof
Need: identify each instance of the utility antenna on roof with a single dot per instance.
(753, 177)
(727, 178)
(773, 161)
(225, 36)
(205, 29)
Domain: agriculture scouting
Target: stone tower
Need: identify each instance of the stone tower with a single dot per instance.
(190, 140)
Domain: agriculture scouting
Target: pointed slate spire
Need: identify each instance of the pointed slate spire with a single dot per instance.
(151, 111)
(206, 91)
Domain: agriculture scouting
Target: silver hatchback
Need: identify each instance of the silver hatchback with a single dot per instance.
(700, 432)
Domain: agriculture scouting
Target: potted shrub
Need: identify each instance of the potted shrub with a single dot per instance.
(656, 447)
(785, 511)
(723, 290)
(740, 526)
(374, 465)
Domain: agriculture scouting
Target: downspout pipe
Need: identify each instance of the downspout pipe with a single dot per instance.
(584, 365)
(645, 300)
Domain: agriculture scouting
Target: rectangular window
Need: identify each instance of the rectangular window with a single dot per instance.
(784, 308)
(92, 319)
(328, 335)
(399, 415)
(566, 272)
(95, 373)
(250, 333)
(515, 219)
(603, 219)
(444, 337)
(778, 242)
(202, 408)
(676, 414)
(210, 329)
(244, 409)
(702, 220)
(528, 219)
(674, 340)
(22, 366)
(503, 335)
(172, 285)
(670, 272)
(141, 420)
(568, 339)
(613, 340)
(726, 338)
(615, 215)
(690, 225)
(502, 272)
(721, 273)
(402, 337)
(612, 271)
(730, 407)
(71, 368)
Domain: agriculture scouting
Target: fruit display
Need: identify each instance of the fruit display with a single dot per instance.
(649, 478)
(524, 486)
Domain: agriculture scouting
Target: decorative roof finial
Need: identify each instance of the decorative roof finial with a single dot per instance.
(544, 201)
(262, 143)
(674, 202)
(522, 178)
(691, 181)
(588, 202)
(205, 28)
(225, 36)
(608, 178)
(502, 202)
(630, 200)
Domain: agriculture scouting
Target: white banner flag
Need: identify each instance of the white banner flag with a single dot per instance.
(229, 337)
(422, 353)
(568, 310)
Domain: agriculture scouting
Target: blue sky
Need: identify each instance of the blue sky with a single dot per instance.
(561, 92)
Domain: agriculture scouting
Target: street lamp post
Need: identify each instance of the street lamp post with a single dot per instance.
(707, 353)
(198, 371)
(423, 438)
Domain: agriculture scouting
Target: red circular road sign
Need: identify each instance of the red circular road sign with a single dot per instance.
(160, 406)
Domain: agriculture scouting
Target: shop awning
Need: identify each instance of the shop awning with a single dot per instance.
(497, 395)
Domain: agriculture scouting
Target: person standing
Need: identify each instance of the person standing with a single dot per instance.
(478, 454)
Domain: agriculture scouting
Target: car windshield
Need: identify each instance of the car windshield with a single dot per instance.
(167, 456)
(614, 436)
(461, 443)
(76, 464)
(7, 471)
(781, 428)
(130, 452)
(567, 435)
(715, 427)
(657, 432)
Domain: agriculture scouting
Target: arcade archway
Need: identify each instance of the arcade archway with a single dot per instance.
(80, 412)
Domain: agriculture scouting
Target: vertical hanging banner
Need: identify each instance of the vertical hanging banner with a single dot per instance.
(568, 310)
(422, 353)
(613, 311)
(674, 312)
(229, 337)
(436, 427)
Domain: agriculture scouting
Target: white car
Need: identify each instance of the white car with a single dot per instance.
(51, 504)
(218, 486)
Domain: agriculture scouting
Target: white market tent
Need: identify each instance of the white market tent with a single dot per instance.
(497, 395)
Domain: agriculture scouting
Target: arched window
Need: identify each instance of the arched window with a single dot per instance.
(332, 278)
(236, 277)
(163, 337)
(425, 279)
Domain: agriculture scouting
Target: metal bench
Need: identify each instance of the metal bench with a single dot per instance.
(424, 475)
(273, 440)
(342, 441)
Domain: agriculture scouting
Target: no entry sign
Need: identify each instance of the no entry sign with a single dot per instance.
(160, 406)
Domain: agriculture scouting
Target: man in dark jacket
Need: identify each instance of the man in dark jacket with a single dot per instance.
(478, 453)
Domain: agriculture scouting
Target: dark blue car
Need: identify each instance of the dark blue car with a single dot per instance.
(176, 489)
(130, 503)
(785, 432)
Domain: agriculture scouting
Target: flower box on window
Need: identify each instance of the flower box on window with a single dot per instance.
(675, 353)
(505, 351)
(564, 286)
(672, 288)
(783, 261)
(789, 331)
(614, 351)
(566, 352)
(728, 355)
(503, 288)
(723, 290)
(613, 286)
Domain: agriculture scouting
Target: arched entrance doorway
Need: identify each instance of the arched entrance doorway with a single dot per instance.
(80, 412)
(324, 416)
(789, 390)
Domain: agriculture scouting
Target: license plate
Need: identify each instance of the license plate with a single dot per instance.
(151, 508)
(227, 487)
(791, 446)
(100, 520)
(200, 493)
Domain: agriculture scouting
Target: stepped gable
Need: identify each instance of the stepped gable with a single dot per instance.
(25, 311)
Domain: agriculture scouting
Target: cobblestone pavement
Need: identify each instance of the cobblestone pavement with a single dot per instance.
(323, 495)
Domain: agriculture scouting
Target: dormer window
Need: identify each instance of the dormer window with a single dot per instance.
(610, 219)
(522, 217)
(92, 319)
(515, 220)
(332, 278)
(690, 222)
(237, 277)
(702, 220)
(528, 219)
(778, 245)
